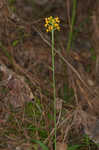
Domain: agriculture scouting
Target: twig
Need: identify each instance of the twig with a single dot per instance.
(64, 121)
(60, 55)
(5, 81)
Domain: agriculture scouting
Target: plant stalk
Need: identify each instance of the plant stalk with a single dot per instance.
(72, 26)
(54, 88)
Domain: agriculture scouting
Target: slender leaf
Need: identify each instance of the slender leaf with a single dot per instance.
(41, 144)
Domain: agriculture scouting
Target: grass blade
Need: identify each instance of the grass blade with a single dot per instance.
(41, 144)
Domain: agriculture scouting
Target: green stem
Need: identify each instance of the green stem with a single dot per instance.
(54, 89)
(72, 25)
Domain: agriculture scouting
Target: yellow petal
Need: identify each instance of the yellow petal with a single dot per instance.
(58, 28)
(47, 30)
(57, 20)
(46, 25)
(56, 25)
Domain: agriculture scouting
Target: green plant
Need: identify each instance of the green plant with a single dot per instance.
(44, 147)
(52, 24)
(86, 140)
(11, 2)
(74, 147)
(6, 53)
(93, 55)
(68, 93)
(72, 25)
(82, 25)
(15, 42)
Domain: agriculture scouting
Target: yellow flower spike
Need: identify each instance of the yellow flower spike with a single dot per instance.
(52, 24)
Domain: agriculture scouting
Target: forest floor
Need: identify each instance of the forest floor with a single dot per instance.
(26, 90)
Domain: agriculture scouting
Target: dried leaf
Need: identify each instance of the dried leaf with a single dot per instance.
(61, 146)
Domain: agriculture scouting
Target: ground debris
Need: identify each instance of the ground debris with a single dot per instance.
(18, 90)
